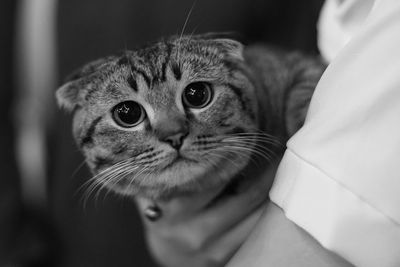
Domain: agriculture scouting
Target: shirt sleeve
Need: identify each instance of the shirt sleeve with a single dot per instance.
(339, 179)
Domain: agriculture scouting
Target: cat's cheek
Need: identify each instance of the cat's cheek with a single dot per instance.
(226, 113)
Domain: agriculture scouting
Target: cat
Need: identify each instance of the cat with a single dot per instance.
(190, 125)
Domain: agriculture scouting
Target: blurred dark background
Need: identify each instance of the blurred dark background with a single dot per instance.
(60, 230)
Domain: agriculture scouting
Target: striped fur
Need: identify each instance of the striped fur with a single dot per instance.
(260, 98)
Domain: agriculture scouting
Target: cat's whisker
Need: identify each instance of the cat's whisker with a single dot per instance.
(192, 33)
(183, 29)
(238, 153)
(256, 142)
(117, 175)
(187, 19)
(91, 180)
(226, 150)
(85, 185)
(78, 168)
(247, 154)
(222, 155)
(262, 154)
(108, 185)
(213, 163)
(248, 142)
(97, 183)
(261, 137)
(215, 154)
(89, 191)
(109, 176)
(102, 178)
(258, 133)
(122, 168)
(113, 182)
(251, 150)
(93, 183)
(143, 170)
(130, 170)
(253, 144)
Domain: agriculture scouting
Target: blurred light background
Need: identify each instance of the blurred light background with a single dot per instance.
(43, 221)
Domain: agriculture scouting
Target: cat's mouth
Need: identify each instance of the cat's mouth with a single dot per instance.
(179, 159)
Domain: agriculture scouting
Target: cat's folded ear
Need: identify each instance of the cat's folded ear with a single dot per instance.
(305, 73)
(231, 43)
(68, 95)
(232, 48)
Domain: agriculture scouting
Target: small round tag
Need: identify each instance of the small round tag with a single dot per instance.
(153, 213)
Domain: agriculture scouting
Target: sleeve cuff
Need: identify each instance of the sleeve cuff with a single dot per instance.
(337, 218)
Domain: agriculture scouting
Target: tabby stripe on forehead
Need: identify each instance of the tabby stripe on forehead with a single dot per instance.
(165, 62)
(125, 60)
(132, 83)
(177, 71)
(89, 133)
(143, 73)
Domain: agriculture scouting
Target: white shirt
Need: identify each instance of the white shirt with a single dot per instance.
(340, 177)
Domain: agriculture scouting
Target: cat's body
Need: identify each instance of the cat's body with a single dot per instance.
(190, 126)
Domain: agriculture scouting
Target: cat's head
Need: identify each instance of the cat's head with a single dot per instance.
(179, 115)
(170, 116)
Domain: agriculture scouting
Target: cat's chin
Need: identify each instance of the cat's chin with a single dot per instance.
(182, 178)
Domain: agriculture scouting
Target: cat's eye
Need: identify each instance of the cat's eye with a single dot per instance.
(128, 114)
(197, 95)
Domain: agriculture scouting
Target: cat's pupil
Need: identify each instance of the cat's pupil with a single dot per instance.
(128, 114)
(197, 95)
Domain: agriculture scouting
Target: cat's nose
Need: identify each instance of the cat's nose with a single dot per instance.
(172, 132)
(176, 140)
(172, 128)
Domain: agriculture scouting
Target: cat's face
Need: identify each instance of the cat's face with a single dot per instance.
(176, 116)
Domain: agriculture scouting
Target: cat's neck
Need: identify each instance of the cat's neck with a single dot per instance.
(254, 182)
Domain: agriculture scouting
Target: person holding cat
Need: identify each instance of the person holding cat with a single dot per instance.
(338, 184)
(177, 124)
